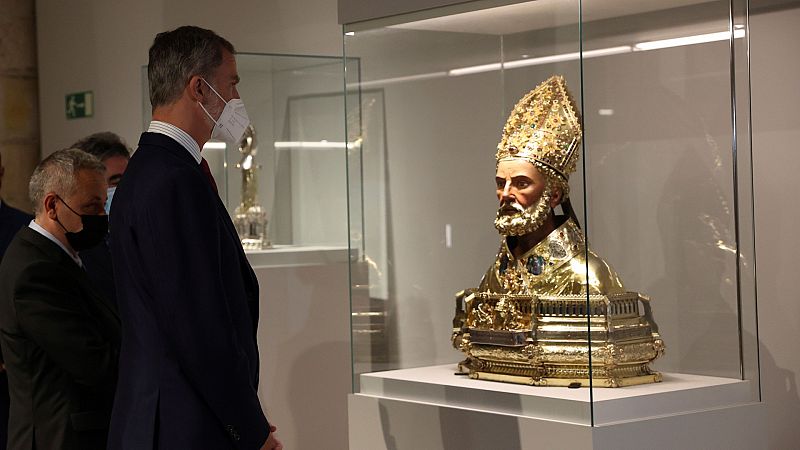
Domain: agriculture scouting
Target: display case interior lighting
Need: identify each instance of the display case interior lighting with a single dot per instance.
(317, 145)
(738, 33)
(214, 146)
(314, 145)
(395, 80)
(540, 60)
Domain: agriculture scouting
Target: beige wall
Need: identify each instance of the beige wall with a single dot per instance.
(19, 121)
(776, 133)
(101, 46)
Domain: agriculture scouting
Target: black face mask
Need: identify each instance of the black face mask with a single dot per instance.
(95, 229)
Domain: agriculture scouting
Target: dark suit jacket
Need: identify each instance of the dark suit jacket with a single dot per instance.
(11, 220)
(60, 341)
(188, 300)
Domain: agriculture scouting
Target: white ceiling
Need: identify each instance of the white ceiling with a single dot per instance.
(540, 14)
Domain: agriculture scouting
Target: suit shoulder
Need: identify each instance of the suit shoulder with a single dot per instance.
(15, 214)
(153, 172)
(41, 270)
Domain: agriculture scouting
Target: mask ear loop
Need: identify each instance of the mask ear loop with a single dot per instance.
(73, 212)
(214, 90)
(209, 115)
(206, 111)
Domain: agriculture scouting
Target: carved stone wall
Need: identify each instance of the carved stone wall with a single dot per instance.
(19, 100)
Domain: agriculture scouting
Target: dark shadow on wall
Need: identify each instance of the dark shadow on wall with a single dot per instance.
(782, 400)
(464, 429)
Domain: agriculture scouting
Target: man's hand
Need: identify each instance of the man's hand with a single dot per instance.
(272, 442)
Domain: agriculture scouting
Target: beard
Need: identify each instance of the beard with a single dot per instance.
(514, 220)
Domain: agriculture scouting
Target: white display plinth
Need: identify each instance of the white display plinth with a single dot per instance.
(431, 408)
(296, 255)
(304, 325)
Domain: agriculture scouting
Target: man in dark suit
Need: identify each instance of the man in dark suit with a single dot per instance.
(11, 220)
(187, 295)
(59, 337)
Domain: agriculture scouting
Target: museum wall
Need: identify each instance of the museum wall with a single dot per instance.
(776, 133)
(19, 115)
(359, 10)
(101, 46)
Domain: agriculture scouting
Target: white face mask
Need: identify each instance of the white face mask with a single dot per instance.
(231, 123)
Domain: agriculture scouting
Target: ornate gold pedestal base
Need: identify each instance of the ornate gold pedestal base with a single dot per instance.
(654, 377)
(559, 340)
(251, 226)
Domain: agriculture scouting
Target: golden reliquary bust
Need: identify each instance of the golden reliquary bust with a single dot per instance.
(548, 305)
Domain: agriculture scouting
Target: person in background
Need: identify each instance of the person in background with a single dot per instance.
(114, 154)
(187, 295)
(112, 151)
(11, 220)
(59, 337)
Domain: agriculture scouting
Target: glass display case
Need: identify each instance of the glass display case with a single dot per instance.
(661, 192)
(294, 167)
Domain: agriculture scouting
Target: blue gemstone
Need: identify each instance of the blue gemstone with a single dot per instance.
(535, 264)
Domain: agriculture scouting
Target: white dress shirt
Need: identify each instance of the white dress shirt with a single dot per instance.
(179, 135)
(38, 228)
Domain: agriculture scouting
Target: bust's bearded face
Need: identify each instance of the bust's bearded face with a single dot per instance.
(524, 195)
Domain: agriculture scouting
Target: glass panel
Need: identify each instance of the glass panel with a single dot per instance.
(746, 245)
(299, 103)
(432, 95)
(668, 181)
(662, 192)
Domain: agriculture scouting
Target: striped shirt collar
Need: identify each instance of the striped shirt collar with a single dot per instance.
(39, 229)
(179, 135)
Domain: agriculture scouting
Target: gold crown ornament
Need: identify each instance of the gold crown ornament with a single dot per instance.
(544, 128)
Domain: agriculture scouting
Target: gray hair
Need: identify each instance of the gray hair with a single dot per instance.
(178, 55)
(58, 173)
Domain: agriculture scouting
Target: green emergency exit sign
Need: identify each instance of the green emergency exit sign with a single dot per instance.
(80, 104)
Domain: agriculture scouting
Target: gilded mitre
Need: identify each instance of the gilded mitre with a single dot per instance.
(544, 128)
